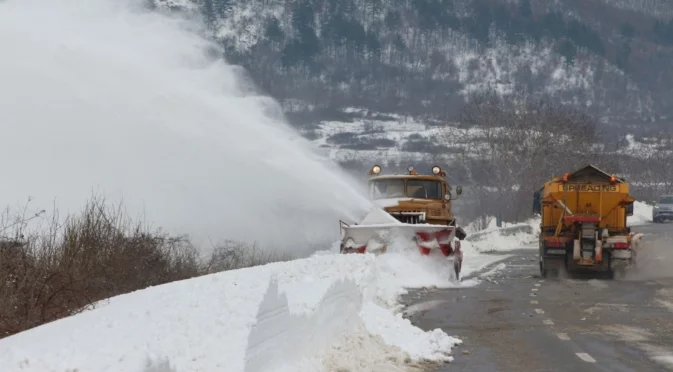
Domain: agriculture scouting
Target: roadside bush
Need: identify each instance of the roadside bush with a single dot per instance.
(56, 270)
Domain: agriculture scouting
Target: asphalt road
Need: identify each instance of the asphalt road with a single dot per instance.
(516, 321)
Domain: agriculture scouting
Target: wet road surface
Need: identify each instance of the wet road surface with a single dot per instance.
(516, 321)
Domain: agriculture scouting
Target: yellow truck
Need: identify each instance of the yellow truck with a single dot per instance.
(583, 223)
(414, 207)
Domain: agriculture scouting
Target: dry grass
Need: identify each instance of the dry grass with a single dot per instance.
(55, 270)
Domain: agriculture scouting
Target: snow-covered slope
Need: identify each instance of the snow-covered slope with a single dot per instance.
(380, 137)
(423, 56)
(328, 312)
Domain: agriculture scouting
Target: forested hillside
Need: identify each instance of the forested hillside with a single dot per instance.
(422, 57)
(483, 86)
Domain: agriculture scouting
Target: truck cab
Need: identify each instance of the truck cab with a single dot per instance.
(415, 198)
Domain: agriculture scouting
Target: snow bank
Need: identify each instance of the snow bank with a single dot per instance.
(298, 315)
(508, 237)
(525, 234)
(642, 214)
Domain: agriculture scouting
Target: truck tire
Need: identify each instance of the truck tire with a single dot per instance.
(610, 273)
(543, 268)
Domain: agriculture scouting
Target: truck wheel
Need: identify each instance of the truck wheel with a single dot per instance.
(543, 267)
(611, 270)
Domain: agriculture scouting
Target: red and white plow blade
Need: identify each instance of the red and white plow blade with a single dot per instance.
(377, 238)
(378, 230)
(437, 240)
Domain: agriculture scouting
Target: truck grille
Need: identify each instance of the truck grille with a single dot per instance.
(409, 217)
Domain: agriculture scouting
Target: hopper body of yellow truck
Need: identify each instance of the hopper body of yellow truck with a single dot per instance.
(583, 223)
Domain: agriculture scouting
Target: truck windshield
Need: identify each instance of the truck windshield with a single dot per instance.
(394, 188)
(424, 189)
(666, 200)
(382, 189)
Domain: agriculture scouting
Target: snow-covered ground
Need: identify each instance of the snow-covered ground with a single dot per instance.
(510, 236)
(388, 136)
(525, 234)
(642, 214)
(328, 312)
(382, 137)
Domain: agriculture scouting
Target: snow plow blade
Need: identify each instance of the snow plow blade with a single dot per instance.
(427, 237)
(377, 238)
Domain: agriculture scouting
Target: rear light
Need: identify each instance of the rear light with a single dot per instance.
(621, 245)
(555, 243)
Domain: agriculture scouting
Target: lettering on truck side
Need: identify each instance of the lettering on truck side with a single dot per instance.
(589, 188)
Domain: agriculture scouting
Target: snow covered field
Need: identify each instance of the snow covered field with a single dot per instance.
(380, 137)
(328, 312)
(524, 234)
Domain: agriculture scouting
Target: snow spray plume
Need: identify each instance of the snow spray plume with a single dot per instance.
(102, 94)
(653, 258)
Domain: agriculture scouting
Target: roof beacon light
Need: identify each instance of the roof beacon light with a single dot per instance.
(565, 177)
(436, 170)
(375, 169)
(613, 178)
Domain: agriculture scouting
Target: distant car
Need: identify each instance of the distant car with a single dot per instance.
(663, 209)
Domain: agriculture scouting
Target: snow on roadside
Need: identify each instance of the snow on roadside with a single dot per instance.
(525, 234)
(642, 214)
(509, 237)
(309, 314)
(208, 323)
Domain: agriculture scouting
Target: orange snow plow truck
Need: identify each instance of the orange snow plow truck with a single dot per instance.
(414, 207)
(583, 223)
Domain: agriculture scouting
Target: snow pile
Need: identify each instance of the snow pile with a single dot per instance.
(508, 237)
(642, 214)
(298, 315)
(525, 234)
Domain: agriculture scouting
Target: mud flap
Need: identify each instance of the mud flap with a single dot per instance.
(454, 267)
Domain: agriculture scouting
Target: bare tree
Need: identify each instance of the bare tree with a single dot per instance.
(514, 143)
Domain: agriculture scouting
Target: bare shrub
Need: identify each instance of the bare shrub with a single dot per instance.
(512, 144)
(57, 270)
(236, 255)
